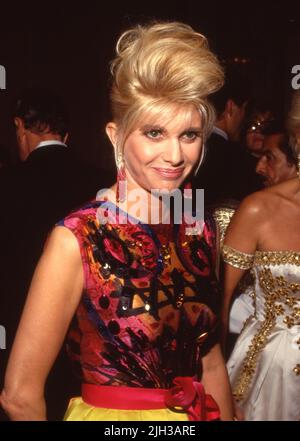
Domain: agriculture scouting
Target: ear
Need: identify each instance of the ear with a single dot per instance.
(229, 108)
(19, 124)
(22, 139)
(112, 132)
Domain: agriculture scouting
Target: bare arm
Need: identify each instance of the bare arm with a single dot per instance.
(53, 297)
(242, 235)
(232, 277)
(216, 383)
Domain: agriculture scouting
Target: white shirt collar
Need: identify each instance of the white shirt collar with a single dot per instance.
(220, 132)
(50, 142)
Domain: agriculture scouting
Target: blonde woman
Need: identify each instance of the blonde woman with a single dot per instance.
(264, 235)
(145, 334)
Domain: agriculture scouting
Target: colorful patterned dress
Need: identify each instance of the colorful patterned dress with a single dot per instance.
(148, 310)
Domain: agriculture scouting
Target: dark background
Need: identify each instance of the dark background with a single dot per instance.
(67, 47)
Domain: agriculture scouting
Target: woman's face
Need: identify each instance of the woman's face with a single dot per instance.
(162, 155)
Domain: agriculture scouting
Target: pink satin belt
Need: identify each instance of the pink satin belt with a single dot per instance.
(187, 395)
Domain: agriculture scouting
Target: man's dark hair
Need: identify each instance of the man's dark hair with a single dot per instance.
(235, 88)
(42, 112)
(277, 127)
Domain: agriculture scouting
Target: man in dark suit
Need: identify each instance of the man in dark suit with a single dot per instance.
(35, 194)
(228, 171)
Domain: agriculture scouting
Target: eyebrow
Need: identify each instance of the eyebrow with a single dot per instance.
(148, 127)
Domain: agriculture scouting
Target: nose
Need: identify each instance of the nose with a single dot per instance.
(261, 166)
(173, 152)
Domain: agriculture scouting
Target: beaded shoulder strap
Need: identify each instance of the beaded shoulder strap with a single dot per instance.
(223, 216)
(236, 258)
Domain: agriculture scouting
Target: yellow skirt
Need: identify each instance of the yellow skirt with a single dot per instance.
(78, 410)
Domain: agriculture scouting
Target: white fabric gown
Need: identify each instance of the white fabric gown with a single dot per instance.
(241, 309)
(264, 367)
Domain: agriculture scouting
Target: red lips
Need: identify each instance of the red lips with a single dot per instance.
(169, 173)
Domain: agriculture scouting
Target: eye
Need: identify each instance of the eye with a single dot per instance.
(191, 135)
(153, 133)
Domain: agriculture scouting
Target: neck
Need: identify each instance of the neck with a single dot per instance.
(138, 203)
(33, 140)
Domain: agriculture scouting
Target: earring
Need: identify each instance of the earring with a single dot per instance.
(187, 190)
(121, 181)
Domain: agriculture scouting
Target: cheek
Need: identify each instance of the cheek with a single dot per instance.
(137, 155)
(192, 152)
(282, 169)
(273, 170)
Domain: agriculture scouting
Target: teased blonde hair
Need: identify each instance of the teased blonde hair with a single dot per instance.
(160, 65)
(293, 122)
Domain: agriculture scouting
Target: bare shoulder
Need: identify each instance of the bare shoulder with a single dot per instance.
(248, 223)
(254, 211)
(255, 205)
(60, 263)
(63, 241)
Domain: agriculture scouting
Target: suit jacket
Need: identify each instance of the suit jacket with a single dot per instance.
(228, 171)
(34, 196)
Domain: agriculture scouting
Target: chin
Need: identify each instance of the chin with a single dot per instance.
(169, 185)
(165, 184)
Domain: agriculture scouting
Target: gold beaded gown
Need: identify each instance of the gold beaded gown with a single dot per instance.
(264, 367)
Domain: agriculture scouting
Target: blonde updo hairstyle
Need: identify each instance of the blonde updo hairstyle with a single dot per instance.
(159, 65)
(293, 123)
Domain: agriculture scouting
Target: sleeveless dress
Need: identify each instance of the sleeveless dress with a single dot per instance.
(264, 367)
(148, 312)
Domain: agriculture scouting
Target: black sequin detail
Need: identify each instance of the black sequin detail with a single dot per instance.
(104, 302)
(114, 327)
